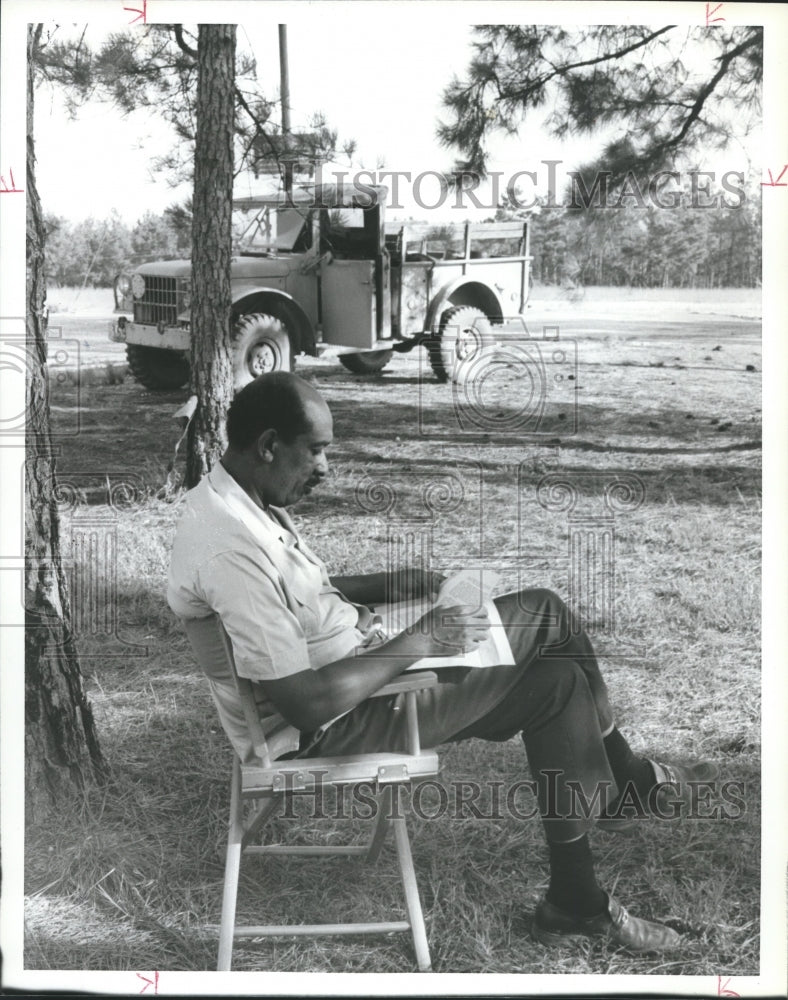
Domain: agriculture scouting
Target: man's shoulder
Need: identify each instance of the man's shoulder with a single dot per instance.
(201, 495)
(200, 501)
(208, 538)
(206, 524)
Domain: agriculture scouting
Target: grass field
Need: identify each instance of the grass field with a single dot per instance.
(132, 879)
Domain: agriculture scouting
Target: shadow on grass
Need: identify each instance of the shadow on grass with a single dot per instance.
(515, 423)
(709, 485)
(127, 431)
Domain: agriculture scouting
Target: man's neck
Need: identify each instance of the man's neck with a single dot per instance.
(235, 467)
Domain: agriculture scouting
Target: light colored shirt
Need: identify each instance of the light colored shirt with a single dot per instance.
(271, 592)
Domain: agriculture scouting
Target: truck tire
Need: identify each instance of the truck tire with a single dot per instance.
(367, 363)
(157, 367)
(260, 343)
(463, 334)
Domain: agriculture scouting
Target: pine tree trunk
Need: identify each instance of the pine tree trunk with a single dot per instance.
(61, 745)
(211, 367)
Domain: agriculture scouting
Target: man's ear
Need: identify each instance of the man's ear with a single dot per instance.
(266, 445)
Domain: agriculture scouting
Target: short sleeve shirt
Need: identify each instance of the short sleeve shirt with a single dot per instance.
(252, 568)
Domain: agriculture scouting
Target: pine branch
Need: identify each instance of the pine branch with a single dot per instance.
(514, 70)
(567, 68)
(706, 91)
(182, 43)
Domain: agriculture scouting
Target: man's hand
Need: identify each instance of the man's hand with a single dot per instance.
(406, 584)
(310, 698)
(449, 630)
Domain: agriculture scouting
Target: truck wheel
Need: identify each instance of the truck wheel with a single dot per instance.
(366, 363)
(260, 344)
(157, 367)
(463, 334)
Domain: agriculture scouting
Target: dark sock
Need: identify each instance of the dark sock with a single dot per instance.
(573, 885)
(626, 766)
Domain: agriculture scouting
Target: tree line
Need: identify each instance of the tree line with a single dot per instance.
(631, 245)
(647, 246)
(94, 251)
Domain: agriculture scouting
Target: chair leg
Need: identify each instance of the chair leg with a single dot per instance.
(412, 901)
(232, 869)
(382, 823)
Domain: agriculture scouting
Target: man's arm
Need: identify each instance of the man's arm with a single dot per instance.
(366, 588)
(309, 698)
(398, 585)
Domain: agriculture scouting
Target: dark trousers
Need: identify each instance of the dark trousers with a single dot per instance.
(553, 695)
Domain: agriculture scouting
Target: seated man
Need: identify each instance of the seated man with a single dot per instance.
(305, 639)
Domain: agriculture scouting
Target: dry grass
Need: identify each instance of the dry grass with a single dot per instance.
(131, 879)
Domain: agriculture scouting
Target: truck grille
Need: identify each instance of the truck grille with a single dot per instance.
(159, 304)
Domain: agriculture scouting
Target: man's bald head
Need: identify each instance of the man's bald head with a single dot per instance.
(277, 401)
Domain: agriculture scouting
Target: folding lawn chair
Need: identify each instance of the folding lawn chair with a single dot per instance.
(265, 782)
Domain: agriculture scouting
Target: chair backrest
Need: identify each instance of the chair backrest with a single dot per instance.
(213, 651)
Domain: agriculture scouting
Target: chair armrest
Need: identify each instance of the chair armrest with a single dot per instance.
(415, 680)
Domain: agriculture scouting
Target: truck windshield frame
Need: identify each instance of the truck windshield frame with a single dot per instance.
(277, 229)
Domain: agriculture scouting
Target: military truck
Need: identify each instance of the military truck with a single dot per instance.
(322, 273)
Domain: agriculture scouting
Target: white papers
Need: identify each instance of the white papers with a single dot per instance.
(470, 587)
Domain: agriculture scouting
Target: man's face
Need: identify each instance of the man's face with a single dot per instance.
(299, 466)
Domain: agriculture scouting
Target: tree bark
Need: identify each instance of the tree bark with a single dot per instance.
(212, 380)
(61, 746)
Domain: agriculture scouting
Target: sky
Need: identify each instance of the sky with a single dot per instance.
(101, 161)
(378, 78)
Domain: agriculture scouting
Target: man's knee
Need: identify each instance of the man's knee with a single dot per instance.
(544, 598)
(531, 606)
(554, 680)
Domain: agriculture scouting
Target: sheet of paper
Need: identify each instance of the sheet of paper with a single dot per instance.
(469, 586)
(463, 588)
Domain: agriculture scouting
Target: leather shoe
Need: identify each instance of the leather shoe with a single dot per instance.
(553, 926)
(670, 796)
(680, 774)
(674, 794)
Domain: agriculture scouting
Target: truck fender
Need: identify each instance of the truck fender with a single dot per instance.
(283, 306)
(462, 292)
